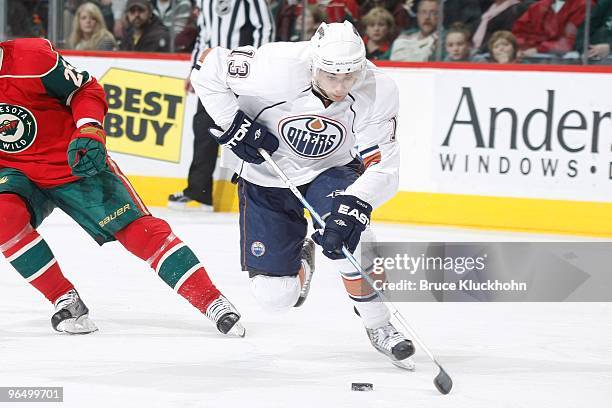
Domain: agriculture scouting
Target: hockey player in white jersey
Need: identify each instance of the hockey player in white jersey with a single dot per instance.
(328, 117)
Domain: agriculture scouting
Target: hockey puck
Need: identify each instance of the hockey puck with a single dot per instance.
(362, 387)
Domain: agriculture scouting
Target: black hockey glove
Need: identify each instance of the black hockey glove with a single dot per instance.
(348, 219)
(245, 136)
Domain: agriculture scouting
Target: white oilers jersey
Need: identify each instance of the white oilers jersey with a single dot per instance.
(272, 85)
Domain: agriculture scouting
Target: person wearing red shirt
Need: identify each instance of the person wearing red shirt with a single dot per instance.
(53, 155)
(549, 26)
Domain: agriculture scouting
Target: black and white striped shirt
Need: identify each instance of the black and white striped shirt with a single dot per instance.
(233, 23)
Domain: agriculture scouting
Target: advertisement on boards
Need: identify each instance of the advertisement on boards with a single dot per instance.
(523, 134)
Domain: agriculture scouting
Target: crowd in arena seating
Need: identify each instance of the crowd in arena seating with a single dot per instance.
(502, 31)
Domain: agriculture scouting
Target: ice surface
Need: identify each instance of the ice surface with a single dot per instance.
(154, 349)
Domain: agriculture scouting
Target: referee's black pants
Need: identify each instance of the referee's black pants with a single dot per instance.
(205, 151)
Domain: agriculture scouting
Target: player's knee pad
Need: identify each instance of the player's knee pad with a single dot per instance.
(145, 236)
(276, 293)
(14, 217)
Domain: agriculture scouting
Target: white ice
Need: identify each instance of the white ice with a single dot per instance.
(153, 349)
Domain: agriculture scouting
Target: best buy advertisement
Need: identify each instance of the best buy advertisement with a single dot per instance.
(146, 113)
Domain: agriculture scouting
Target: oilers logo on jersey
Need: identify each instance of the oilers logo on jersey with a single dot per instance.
(17, 128)
(311, 136)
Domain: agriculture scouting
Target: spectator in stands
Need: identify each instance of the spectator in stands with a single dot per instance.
(419, 45)
(501, 15)
(144, 31)
(457, 43)
(314, 16)
(379, 26)
(173, 13)
(71, 6)
(600, 32)
(403, 12)
(462, 11)
(503, 47)
(89, 31)
(549, 26)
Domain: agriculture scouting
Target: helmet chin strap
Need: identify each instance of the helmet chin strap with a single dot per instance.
(320, 92)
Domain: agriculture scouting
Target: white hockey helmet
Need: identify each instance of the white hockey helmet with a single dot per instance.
(337, 48)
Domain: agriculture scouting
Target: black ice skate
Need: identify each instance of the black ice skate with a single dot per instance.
(179, 201)
(71, 315)
(308, 262)
(392, 344)
(225, 316)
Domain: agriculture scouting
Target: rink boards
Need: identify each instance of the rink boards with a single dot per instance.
(515, 147)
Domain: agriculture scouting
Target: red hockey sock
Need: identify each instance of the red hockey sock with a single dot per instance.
(151, 239)
(199, 290)
(27, 251)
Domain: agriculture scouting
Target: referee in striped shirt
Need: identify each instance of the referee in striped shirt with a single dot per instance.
(229, 24)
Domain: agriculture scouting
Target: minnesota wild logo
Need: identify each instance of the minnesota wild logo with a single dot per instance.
(17, 128)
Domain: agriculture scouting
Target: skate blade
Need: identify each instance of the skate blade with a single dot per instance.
(305, 289)
(237, 330)
(81, 325)
(300, 301)
(406, 364)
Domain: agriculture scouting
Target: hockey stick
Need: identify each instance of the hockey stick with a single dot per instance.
(443, 381)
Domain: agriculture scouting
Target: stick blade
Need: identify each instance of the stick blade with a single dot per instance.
(443, 382)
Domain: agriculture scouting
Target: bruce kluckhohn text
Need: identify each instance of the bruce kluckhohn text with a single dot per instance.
(461, 286)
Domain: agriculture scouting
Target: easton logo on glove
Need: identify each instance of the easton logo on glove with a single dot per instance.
(343, 227)
(245, 136)
(240, 133)
(355, 213)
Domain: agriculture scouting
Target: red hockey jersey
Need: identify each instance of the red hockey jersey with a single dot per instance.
(41, 99)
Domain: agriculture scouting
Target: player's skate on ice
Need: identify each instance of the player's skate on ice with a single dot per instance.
(392, 344)
(328, 117)
(225, 316)
(71, 315)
